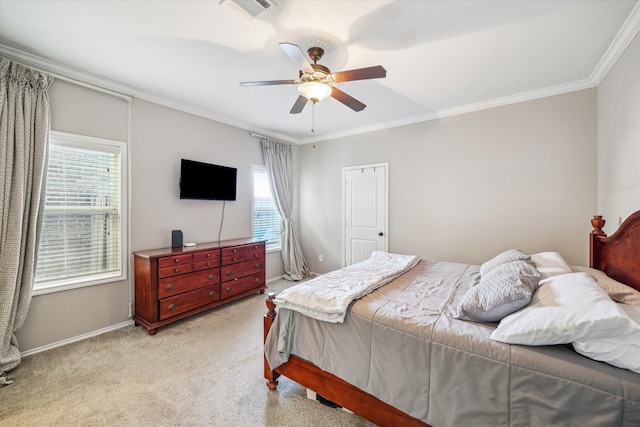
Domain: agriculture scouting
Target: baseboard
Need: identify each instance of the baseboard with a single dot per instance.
(273, 279)
(77, 338)
(98, 332)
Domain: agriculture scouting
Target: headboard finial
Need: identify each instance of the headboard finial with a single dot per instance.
(597, 222)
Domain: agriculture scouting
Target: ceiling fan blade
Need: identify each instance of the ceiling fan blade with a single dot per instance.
(269, 83)
(299, 105)
(375, 72)
(296, 55)
(347, 100)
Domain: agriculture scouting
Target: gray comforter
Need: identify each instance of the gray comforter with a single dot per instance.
(403, 345)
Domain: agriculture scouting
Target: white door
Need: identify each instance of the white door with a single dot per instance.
(365, 209)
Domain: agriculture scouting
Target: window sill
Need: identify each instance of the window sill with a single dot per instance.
(273, 249)
(65, 285)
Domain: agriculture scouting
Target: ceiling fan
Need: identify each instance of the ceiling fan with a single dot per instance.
(317, 81)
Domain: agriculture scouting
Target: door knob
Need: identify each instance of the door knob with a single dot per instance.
(381, 234)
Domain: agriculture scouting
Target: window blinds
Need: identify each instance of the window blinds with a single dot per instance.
(266, 219)
(82, 221)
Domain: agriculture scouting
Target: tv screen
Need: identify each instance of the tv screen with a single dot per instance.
(206, 181)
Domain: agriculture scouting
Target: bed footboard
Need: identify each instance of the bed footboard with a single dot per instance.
(269, 317)
(331, 387)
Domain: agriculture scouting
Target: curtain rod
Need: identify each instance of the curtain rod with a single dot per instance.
(58, 71)
(259, 135)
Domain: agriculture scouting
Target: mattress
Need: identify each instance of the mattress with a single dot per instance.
(402, 344)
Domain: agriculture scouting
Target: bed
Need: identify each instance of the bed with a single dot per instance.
(418, 363)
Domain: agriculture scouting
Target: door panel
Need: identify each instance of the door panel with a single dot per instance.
(365, 212)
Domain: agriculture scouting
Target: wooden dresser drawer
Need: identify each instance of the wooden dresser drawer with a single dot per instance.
(177, 284)
(169, 261)
(212, 256)
(203, 265)
(175, 270)
(242, 253)
(182, 303)
(243, 284)
(232, 259)
(233, 271)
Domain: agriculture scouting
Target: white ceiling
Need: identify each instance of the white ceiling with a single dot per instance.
(441, 57)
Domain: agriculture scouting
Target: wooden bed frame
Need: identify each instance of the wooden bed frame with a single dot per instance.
(616, 255)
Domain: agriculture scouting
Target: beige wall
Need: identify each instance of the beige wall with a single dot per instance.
(619, 139)
(464, 188)
(160, 137)
(61, 316)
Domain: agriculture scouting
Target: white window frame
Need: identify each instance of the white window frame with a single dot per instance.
(98, 144)
(270, 247)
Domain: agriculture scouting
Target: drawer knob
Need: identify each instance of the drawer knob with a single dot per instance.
(170, 286)
(208, 264)
(177, 270)
(257, 280)
(255, 255)
(212, 276)
(208, 255)
(235, 259)
(171, 307)
(177, 260)
(229, 289)
(212, 294)
(235, 250)
(258, 265)
(228, 272)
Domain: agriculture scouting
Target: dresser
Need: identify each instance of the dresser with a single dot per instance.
(175, 283)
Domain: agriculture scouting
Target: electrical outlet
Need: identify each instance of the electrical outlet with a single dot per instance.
(320, 258)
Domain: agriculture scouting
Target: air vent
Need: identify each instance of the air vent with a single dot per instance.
(249, 8)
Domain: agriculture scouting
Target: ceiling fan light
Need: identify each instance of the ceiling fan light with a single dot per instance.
(314, 91)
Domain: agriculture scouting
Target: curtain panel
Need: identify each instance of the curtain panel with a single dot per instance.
(278, 159)
(25, 123)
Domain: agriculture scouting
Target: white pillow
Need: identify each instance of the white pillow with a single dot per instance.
(569, 307)
(618, 292)
(623, 350)
(550, 264)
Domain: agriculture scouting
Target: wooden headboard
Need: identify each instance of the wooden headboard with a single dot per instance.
(618, 255)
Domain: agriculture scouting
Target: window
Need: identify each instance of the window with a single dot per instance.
(83, 232)
(266, 218)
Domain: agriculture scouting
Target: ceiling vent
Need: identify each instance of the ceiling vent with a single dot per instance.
(249, 8)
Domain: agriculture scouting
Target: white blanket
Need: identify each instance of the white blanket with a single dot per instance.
(327, 297)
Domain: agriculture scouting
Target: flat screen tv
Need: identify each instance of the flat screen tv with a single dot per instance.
(206, 181)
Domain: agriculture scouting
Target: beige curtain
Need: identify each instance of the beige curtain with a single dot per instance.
(278, 160)
(24, 136)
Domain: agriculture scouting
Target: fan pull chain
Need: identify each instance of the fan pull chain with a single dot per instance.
(313, 123)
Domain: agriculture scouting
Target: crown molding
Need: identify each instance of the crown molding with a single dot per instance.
(68, 73)
(617, 47)
(206, 115)
(463, 109)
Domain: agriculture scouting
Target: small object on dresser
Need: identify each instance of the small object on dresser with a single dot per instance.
(176, 238)
(189, 244)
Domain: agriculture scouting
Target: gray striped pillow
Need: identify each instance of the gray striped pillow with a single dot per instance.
(503, 258)
(505, 289)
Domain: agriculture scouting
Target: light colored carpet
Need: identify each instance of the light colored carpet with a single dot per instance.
(203, 371)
